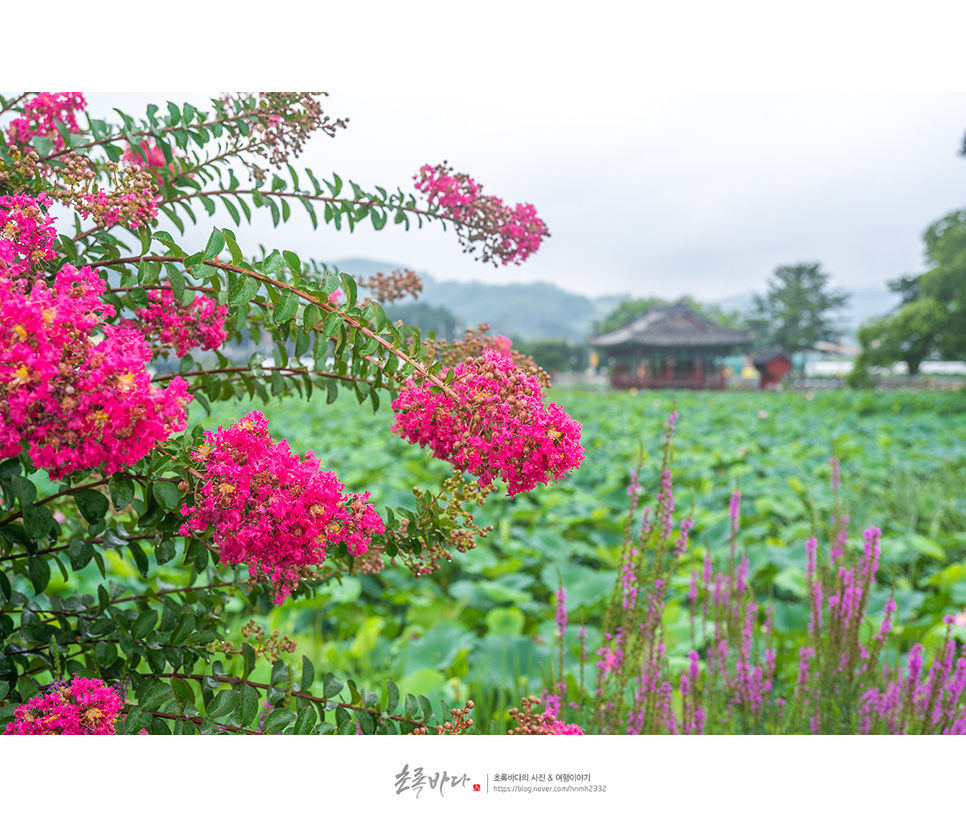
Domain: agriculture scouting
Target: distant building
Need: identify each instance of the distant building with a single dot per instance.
(670, 347)
(772, 364)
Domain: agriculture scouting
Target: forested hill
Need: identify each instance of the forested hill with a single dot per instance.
(530, 311)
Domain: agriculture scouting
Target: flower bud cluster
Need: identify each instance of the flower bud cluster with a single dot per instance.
(77, 400)
(272, 646)
(284, 121)
(42, 114)
(271, 510)
(508, 235)
(171, 325)
(84, 707)
(460, 723)
(396, 285)
(544, 724)
(475, 342)
(498, 428)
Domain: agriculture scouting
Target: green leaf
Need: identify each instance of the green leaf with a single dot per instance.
(39, 572)
(293, 262)
(305, 721)
(286, 309)
(184, 628)
(167, 495)
(412, 706)
(92, 504)
(308, 674)
(310, 317)
(215, 244)
(347, 728)
(224, 703)
(140, 558)
(105, 653)
(331, 686)
(393, 701)
(281, 673)
(249, 706)
(146, 622)
(249, 655)
(182, 691)
(4, 689)
(37, 521)
(122, 492)
(157, 695)
(332, 322)
(277, 720)
(273, 263)
(350, 289)
(243, 290)
(176, 280)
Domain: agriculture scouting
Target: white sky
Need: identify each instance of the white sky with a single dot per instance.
(647, 187)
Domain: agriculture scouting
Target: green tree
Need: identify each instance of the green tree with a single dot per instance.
(797, 311)
(931, 319)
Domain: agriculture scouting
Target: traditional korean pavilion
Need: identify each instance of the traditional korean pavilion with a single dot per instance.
(670, 347)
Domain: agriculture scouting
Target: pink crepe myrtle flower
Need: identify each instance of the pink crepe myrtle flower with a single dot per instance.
(42, 114)
(498, 427)
(171, 325)
(27, 232)
(272, 510)
(508, 235)
(77, 403)
(85, 706)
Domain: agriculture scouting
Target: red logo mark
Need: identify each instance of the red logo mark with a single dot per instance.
(476, 787)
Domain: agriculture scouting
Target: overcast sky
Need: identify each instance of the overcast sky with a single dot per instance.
(652, 194)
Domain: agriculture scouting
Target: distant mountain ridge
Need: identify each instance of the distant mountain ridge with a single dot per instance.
(541, 310)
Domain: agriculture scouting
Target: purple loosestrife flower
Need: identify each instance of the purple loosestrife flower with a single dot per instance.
(693, 589)
(561, 598)
(629, 580)
(734, 511)
(682, 543)
(870, 561)
(811, 557)
(741, 577)
(837, 550)
(645, 523)
(887, 611)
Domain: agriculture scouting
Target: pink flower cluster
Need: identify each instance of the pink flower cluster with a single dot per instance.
(271, 510)
(42, 114)
(558, 728)
(78, 403)
(27, 232)
(509, 235)
(199, 324)
(84, 707)
(498, 427)
(453, 192)
(521, 234)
